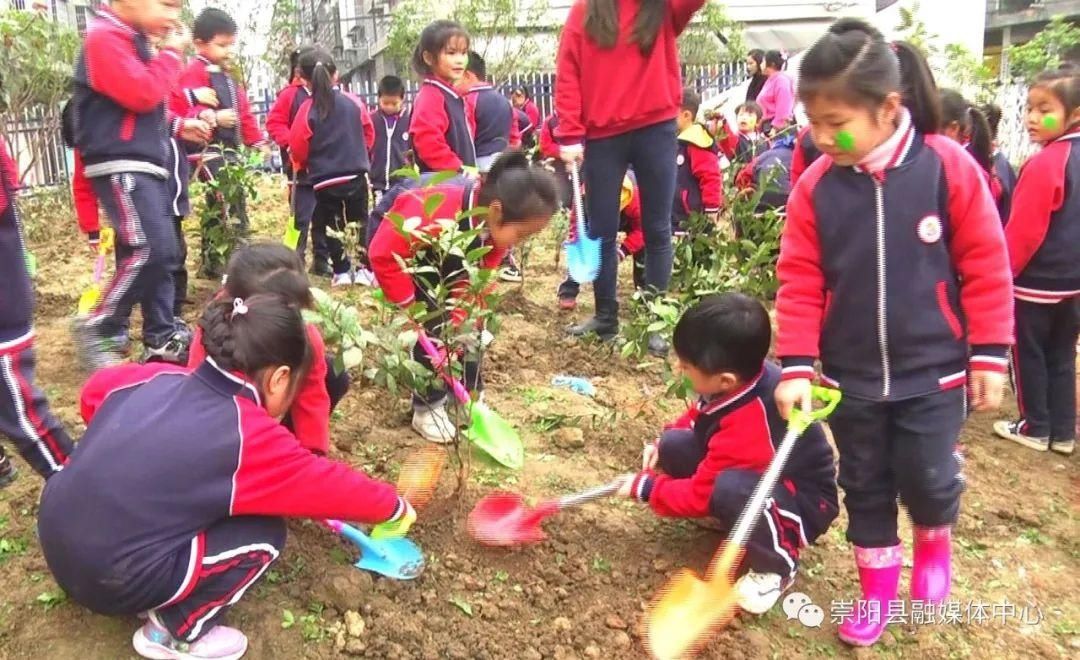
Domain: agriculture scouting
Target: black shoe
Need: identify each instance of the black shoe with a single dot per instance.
(322, 269)
(605, 329)
(8, 473)
(658, 346)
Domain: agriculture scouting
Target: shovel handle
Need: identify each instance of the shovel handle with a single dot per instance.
(579, 211)
(460, 393)
(358, 538)
(595, 493)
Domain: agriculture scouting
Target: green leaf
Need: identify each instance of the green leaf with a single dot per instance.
(462, 604)
(432, 204)
(288, 619)
(352, 358)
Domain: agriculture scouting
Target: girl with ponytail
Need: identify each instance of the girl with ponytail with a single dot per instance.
(332, 137)
(893, 273)
(967, 125)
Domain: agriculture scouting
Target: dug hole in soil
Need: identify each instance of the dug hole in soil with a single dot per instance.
(580, 594)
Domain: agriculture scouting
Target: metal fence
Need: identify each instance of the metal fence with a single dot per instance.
(1013, 137)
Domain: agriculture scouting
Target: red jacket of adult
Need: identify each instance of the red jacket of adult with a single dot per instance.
(601, 92)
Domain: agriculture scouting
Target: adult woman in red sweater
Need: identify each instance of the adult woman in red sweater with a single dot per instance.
(611, 52)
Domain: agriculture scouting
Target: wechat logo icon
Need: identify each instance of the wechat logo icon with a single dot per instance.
(797, 605)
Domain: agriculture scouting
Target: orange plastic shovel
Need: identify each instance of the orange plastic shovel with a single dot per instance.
(688, 610)
(419, 476)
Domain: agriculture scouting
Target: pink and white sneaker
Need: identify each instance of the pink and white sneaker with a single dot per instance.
(221, 643)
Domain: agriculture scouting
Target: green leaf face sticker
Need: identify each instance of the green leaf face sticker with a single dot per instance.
(1050, 122)
(845, 140)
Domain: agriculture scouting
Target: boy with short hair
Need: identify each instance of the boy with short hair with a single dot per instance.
(391, 150)
(698, 186)
(234, 125)
(708, 462)
(495, 119)
(121, 86)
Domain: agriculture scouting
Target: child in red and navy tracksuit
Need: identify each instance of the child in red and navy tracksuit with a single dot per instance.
(708, 462)
(301, 195)
(743, 145)
(494, 118)
(893, 272)
(392, 143)
(632, 245)
(442, 129)
(25, 417)
(1043, 235)
(121, 129)
(769, 171)
(262, 268)
(698, 185)
(123, 530)
(549, 153)
(528, 115)
(967, 125)
(1003, 169)
(233, 122)
(331, 138)
(519, 201)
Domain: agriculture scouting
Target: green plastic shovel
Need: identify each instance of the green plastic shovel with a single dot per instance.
(487, 430)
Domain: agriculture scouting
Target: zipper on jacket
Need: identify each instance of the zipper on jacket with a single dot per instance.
(389, 148)
(882, 321)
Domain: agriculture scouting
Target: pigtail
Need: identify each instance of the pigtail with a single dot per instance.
(993, 118)
(322, 90)
(981, 143)
(918, 89)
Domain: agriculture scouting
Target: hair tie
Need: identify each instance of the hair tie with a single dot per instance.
(318, 64)
(239, 308)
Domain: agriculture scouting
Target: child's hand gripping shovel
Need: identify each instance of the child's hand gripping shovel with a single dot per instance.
(688, 609)
(582, 253)
(503, 519)
(89, 298)
(487, 430)
(395, 557)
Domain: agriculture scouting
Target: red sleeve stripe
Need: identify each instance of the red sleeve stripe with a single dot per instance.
(986, 363)
(788, 373)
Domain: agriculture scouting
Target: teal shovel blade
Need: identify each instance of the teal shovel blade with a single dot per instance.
(398, 558)
(495, 437)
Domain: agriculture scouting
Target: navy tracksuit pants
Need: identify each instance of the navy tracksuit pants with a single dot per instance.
(1044, 367)
(899, 448)
(789, 522)
(25, 417)
(147, 254)
(336, 207)
(302, 197)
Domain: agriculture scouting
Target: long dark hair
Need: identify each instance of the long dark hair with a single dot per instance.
(267, 267)
(524, 191)
(973, 124)
(853, 62)
(602, 22)
(318, 68)
(250, 334)
(757, 81)
(433, 40)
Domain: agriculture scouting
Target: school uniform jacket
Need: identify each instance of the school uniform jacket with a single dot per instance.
(894, 280)
(279, 124)
(804, 155)
(742, 431)
(1006, 176)
(16, 293)
(442, 130)
(121, 88)
(698, 187)
(167, 453)
(770, 171)
(391, 253)
(495, 119)
(335, 148)
(1043, 232)
(391, 150)
(201, 72)
(549, 145)
(310, 410)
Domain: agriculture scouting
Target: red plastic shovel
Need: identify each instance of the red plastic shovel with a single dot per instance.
(503, 519)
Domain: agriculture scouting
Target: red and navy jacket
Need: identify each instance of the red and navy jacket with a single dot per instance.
(336, 148)
(1006, 177)
(742, 431)
(549, 144)
(442, 129)
(596, 97)
(1043, 232)
(770, 172)
(279, 124)
(495, 120)
(201, 72)
(310, 411)
(525, 128)
(16, 294)
(392, 147)
(121, 89)
(804, 155)
(392, 253)
(894, 279)
(698, 185)
(169, 452)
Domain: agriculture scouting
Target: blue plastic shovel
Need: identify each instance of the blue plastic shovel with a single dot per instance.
(397, 558)
(582, 253)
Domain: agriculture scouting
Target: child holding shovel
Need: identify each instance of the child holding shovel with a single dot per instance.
(708, 462)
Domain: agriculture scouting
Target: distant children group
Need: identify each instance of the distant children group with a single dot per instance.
(898, 286)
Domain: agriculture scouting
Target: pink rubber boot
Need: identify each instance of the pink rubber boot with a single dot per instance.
(879, 575)
(931, 576)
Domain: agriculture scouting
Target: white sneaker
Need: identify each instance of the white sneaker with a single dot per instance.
(364, 277)
(758, 592)
(220, 643)
(433, 423)
(342, 279)
(1014, 431)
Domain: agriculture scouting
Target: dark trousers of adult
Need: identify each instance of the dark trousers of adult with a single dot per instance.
(302, 198)
(25, 417)
(789, 520)
(337, 207)
(435, 327)
(570, 289)
(651, 151)
(1044, 367)
(220, 231)
(236, 554)
(179, 272)
(905, 448)
(147, 252)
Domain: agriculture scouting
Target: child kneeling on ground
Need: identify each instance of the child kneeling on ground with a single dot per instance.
(708, 462)
(173, 503)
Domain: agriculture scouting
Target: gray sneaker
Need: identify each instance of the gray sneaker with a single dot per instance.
(175, 350)
(94, 351)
